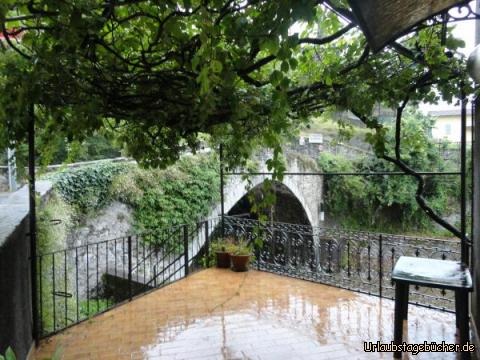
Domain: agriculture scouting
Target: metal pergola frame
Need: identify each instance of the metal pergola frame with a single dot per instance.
(33, 218)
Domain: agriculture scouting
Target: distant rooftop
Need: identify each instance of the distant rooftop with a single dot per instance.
(445, 112)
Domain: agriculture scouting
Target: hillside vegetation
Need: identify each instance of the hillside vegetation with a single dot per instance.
(387, 203)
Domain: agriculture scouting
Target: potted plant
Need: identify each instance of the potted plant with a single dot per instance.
(241, 256)
(223, 250)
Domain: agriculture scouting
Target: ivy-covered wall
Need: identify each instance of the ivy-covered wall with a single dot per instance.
(180, 194)
(158, 198)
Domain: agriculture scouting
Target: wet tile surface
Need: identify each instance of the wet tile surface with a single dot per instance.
(220, 314)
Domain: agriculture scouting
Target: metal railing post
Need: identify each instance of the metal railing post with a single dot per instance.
(369, 252)
(130, 293)
(155, 276)
(348, 258)
(207, 245)
(463, 181)
(222, 194)
(185, 247)
(257, 255)
(393, 263)
(329, 256)
(380, 265)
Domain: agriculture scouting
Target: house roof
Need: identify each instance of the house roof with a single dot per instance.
(447, 112)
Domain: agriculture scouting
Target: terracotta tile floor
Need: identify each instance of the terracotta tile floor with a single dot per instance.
(219, 314)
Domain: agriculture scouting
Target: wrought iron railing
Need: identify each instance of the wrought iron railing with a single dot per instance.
(77, 283)
(354, 260)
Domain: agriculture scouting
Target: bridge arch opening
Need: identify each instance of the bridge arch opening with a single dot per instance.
(288, 208)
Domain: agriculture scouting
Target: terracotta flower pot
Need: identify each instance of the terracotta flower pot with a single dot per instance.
(223, 259)
(240, 262)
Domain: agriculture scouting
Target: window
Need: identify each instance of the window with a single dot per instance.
(448, 129)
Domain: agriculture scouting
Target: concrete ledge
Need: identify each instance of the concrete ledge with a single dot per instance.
(15, 207)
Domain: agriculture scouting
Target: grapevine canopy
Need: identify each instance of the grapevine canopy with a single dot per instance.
(246, 72)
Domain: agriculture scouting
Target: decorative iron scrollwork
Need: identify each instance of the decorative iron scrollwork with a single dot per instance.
(355, 260)
(463, 12)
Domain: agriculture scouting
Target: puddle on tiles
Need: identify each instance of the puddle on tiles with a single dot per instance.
(292, 326)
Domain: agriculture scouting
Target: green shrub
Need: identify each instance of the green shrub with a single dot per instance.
(242, 248)
(125, 187)
(97, 147)
(160, 198)
(224, 245)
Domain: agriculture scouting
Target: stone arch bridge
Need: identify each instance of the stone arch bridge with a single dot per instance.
(302, 194)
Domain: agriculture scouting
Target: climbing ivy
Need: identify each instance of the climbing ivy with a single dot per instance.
(160, 198)
(180, 194)
(88, 188)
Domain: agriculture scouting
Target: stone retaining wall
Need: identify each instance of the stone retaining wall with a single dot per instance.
(15, 280)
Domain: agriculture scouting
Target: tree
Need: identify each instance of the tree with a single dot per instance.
(244, 72)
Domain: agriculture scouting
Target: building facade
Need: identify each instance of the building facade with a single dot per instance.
(448, 124)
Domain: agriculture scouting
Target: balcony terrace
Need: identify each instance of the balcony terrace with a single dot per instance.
(220, 314)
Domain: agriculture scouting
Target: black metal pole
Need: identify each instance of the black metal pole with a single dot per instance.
(130, 288)
(472, 172)
(475, 180)
(185, 248)
(463, 181)
(207, 245)
(222, 198)
(380, 266)
(32, 219)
